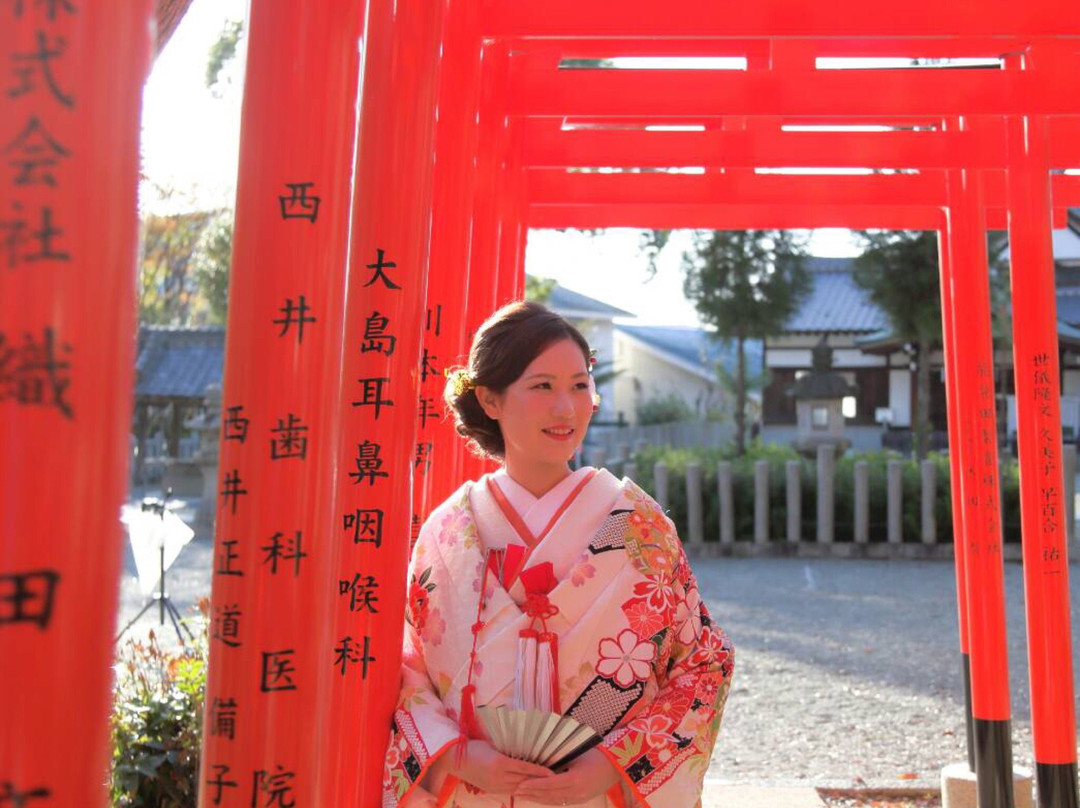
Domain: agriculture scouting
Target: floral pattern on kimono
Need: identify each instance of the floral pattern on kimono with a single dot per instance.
(640, 659)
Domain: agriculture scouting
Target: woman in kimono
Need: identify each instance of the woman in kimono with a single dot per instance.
(540, 588)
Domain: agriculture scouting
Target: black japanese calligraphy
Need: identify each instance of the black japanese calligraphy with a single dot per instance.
(368, 463)
(288, 439)
(348, 653)
(27, 597)
(275, 789)
(33, 153)
(10, 795)
(375, 336)
(428, 368)
(219, 783)
(281, 549)
(380, 266)
(371, 391)
(365, 525)
(233, 488)
(426, 410)
(277, 670)
(297, 204)
(33, 67)
(294, 314)
(422, 458)
(234, 425)
(433, 323)
(222, 718)
(36, 373)
(226, 557)
(361, 592)
(227, 625)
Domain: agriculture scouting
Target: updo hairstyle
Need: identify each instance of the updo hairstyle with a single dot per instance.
(507, 342)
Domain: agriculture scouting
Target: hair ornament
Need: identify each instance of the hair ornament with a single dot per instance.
(459, 380)
(592, 358)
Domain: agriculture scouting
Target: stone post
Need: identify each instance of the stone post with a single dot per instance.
(895, 502)
(826, 503)
(761, 501)
(928, 476)
(793, 470)
(727, 502)
(694, 505)
(862, 502)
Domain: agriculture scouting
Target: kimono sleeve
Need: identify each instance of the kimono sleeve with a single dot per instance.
(663, 752)
(421, 731)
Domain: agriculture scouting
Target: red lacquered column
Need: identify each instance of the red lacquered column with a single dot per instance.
(484, 290)
(280, 407)
(389, 251)
(945, 240)
(1042, 504)
(977, 441)
(69, 128)
(445, 341)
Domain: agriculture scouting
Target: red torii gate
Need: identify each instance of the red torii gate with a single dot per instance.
(558, 192)
(336, 330)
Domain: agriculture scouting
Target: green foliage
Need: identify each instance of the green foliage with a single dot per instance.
(747, 284)
(157, 724)
(899, 270)
(167, 291)
(212, 259)
(663, 410)
(778, 455)
(650, 244)
(222, 52)
(539, 289)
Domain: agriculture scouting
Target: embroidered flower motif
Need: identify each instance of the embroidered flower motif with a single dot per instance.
(419, 599)
(658, 592)
(688, 616)
(713, 648)
(453, 526)
(625, 659)
(672, 706)
(434, 627)
(478, 576)
(643, 618)
(659, 755)
(582, 572)
(656, 729)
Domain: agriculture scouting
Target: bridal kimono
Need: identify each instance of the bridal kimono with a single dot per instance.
(582, 603)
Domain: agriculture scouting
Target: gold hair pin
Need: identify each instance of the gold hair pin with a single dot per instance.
(460, 381)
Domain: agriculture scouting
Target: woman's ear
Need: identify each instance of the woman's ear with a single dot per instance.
(490, 402)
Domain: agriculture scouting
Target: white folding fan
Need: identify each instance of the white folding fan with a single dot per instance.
(549, 739)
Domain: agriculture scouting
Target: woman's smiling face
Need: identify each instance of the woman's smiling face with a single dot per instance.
(543, 415)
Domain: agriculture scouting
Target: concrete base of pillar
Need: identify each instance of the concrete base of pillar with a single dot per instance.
(958, 787)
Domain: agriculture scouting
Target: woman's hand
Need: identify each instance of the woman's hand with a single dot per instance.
(588, 776)
(493, 772)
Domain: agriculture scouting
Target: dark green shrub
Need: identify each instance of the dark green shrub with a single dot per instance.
(157, 723)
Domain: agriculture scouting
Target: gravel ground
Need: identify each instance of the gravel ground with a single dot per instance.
(847, 671)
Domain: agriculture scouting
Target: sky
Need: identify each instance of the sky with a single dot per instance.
(191, 142)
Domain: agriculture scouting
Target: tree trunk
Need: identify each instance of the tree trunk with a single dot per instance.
(922, 400)
(740, 397)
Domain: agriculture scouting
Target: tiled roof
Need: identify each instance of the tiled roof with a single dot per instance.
(1066, 242)
(835, 303)
(564, 300)
(178, 362)
(694, 346)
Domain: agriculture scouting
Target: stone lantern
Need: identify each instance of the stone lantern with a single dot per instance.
(819, 398)
(208, 426)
